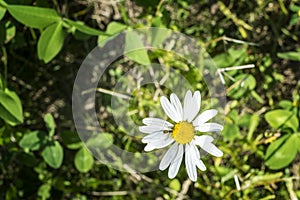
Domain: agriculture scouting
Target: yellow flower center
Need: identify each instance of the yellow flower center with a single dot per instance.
(183, 132)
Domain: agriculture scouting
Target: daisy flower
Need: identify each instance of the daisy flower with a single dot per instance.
(182, 134)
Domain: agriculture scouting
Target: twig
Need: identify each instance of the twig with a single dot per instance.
(237, 183)
(185, 188)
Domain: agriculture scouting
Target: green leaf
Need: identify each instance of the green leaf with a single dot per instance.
(34, 17)
(158, 36)
(101, 140)
(80, 26)
(44, 191)
(257, 97)
(282, 152)
(254, 121)
(51, 42)
(294, 8)
(10, 107)
(2, 12)
(71, 139)
(83, 160)
(230, 58)
(175, 185)
(50, 124)
(135, 50)
(282, 118)
(230, 132)
(292, 55)
(247, 84)
(53, 154)
(285, 104)
(33, 140)
(113, 28)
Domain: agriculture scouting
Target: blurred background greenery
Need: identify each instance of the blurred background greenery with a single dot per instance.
(43, 43)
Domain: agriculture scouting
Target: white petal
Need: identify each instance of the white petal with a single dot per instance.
(197, 98)
(169, 109)
(158, 144)
(175, 164)
(157, 122)
(205, 142)
(168, 157)
(151, 129)
(189, 162)
(154, 136)
(200, 164)
(204, 117)
(209, 127)
(177, 105)
(191, 105)
(197, 160)
(149, 147)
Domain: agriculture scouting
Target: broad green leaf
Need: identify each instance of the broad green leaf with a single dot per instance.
(50, 124)
(282, 118)
(292, 55)
(281, 152)
(2, 12)
(83, 160)
(113, 28)
(158, 36)
(34, 17)
(33, 140)
(71, 139)
(285, 104)
(51, 42)
(80, 26)
(294, 8)
(53, 154)
(10, 107)
(135, 50)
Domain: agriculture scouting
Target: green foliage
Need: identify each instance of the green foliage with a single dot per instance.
(34, 17)
(33, 140)
(282, 119)
(83, 160)
(53, 154)
(282, 152)
(51, 42)
(10, 107)
(134, 49)
(292, 55)
(112, 29)
(50, 124)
